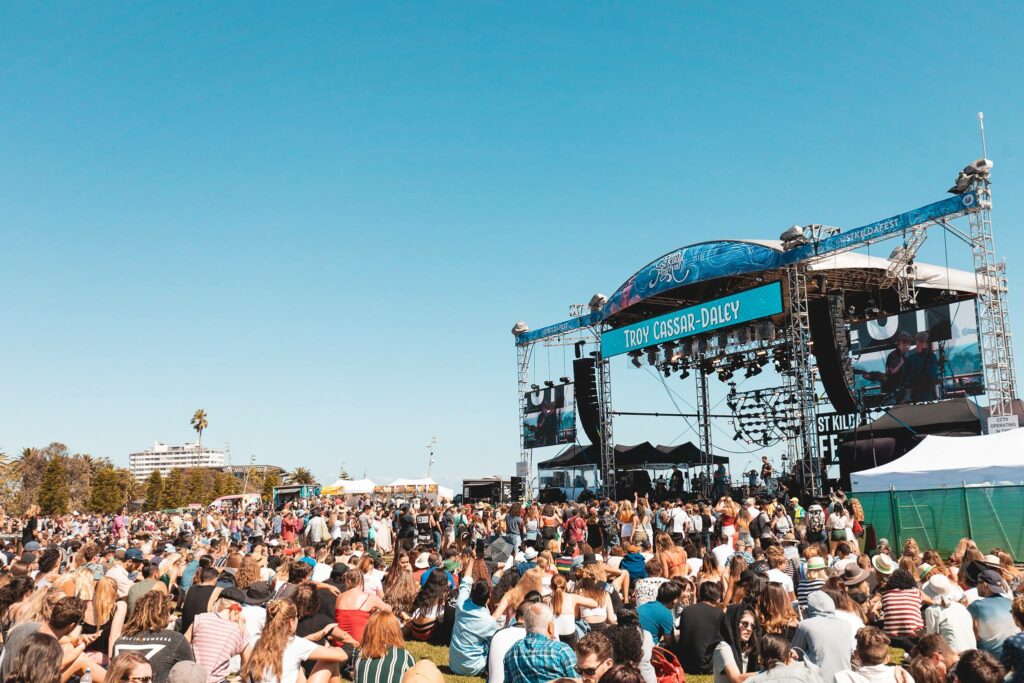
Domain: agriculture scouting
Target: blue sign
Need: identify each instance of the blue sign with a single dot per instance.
(728, 311)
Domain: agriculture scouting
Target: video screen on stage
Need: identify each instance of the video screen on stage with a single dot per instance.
(928, 354)
(550, 416)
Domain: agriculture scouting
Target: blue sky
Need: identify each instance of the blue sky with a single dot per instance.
(319, 222)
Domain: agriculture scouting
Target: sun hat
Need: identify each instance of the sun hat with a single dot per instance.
(258, 593)
(530, 554)
(789, 537)
(422, 561)
(992, 561)
(815, 563)
(940, 587)
(883, 564)
(923, 570)
(854, 574)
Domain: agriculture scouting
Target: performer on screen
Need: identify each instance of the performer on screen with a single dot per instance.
(922, 371)
(895, 369)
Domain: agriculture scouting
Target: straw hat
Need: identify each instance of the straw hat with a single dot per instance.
(883, 564)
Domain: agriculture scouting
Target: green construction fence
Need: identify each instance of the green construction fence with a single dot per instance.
(939, 518)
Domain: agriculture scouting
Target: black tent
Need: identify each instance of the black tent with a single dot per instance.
(639, 455)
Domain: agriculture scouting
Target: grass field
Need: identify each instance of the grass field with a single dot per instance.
(439, 655)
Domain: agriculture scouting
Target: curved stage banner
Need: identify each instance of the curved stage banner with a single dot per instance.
(729, 311)
(549, 416)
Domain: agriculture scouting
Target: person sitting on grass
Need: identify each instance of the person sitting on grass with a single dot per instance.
(473, 626)
(872, 658)
(539, 657)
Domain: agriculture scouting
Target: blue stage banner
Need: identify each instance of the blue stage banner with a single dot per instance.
(728, 311)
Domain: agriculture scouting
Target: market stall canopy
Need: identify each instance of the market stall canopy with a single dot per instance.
(643, 454)
(345, 487)
(950, 462)
(442, 491)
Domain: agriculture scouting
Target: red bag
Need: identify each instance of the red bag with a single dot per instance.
(858, 528)
(667, 668)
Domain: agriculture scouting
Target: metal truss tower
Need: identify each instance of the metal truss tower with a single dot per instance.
(704, 424)
(604, 413)
(525, 454)
(803, 446)
(993, 313)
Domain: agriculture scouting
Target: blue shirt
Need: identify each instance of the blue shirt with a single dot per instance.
(656, 619)
(538, 659)
(634, 563)
(994, 623)
(471, 634)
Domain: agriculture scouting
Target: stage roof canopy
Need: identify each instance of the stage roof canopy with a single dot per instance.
(577, 455)
(940, 462)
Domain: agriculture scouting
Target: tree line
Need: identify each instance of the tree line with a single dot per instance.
(60, 481)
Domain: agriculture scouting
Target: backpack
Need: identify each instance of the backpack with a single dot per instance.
(665, 517)
(667, 668)
(815, 518)
(610, 528)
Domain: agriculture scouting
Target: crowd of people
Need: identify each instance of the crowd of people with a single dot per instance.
(611, 591)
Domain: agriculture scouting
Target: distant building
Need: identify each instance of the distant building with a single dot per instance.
(240, 471)
(165, 458)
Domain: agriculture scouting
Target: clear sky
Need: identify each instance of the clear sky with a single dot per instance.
(320, 222)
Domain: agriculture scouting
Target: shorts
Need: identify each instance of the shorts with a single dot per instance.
(838, 535)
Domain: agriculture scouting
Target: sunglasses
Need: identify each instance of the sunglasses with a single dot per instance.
(586, 670)
(746, 624)
(139, 679)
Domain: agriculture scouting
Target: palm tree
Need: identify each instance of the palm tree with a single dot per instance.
(301, 475)
(199, 423)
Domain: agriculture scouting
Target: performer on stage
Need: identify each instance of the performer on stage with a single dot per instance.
(895, 372)
(766, 474)
(922, 371)
(675, 481)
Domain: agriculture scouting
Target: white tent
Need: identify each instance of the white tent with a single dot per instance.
(442, 491)
(950, 462)
(348, 487)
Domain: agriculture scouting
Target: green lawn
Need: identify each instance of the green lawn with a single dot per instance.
(439, 655)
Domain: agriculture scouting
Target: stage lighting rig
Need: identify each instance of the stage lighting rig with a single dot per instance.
(564, 380)
(634, 358)
(685, 373)
(652, 355)
(535, 387)
(549, 384)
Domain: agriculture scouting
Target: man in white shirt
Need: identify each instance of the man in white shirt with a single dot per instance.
(503, 640)
(680, 524)
(776, 561)
(722, 551)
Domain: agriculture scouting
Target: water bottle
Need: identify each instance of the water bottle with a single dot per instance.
(86, 677)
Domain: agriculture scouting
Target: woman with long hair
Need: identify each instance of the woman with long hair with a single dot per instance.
(627, 522)
(248, 573)
(728, 510)
(737, 565)
(130, 667)
(77, 584)
(105, 615)
(315, 626)
(531, 524)
(279, 653)
(603, 613)
(13, 597)
(550, 520)
(371, 582)
(710, 571)
(933, 558)
(401, 592)
(778, 662)
(838, 523)
(147, 628)
(743, 520)
(775, 612)
(382, 655)
(643, 532)
(428, 607)
(734, 658)
(352, 608)
(567, 608)
(38, 661)
(532, 580)
(846, 609)
(672, 557)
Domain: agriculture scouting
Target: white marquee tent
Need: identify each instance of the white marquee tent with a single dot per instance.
(442, 491)
(348, 487)
(940, 462)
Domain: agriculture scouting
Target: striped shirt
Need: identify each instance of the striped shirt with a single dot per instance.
(215, 641)
(805, 588)
(902, 612)
(387, 669)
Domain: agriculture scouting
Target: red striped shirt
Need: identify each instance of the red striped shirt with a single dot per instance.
(901, 609)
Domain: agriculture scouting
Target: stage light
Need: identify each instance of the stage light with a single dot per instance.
(520, 328)
(579, 348)
(564, 380)
(535, 387)
(667, 371)
(724, 374)
(702, 344)
(684, 374)
(549, 384)
(707, 367)
(686, 348)
(752, 370)
(597, 302)
(739, 435)
(634, 358)
(652, 355)
(764, 440)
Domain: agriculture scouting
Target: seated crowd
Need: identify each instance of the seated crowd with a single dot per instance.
(616, 592)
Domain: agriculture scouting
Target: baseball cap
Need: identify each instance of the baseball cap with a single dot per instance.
(993, 579)
(133, 554)
(32, 546)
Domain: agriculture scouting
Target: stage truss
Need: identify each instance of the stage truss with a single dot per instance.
(797, 371)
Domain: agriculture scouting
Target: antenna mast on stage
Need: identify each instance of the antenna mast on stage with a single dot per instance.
(990, 278)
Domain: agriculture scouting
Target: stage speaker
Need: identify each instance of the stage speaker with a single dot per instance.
(584, 372)
(832, 351)
(518, 486)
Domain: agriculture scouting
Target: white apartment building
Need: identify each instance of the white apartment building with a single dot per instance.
(165, 457)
